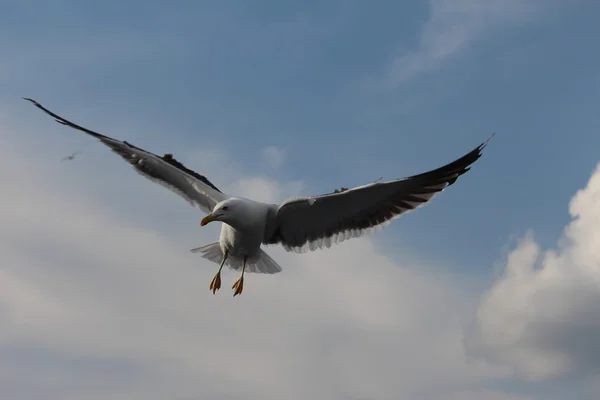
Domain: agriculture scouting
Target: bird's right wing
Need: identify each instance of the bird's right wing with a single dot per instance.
(165, 170)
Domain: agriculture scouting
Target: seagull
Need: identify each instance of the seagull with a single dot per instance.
(298, 224)
(71, 157)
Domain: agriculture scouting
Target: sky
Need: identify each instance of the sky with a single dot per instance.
(491, 291)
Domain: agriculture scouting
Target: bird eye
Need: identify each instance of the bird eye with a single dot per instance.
(225, 208)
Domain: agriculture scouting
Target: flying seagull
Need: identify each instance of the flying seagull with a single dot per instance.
(298, 224)
(70, 157)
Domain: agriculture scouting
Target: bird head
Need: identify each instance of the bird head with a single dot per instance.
(226, 211)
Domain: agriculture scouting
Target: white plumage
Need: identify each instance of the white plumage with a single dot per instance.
(299, 224)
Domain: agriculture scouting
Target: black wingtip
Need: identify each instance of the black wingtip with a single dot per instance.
(31, 100)
(35, 103)
(485, 143)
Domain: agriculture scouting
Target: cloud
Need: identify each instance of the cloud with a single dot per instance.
(273, 156)
(264, 189)
(542, 316)
(94, 304)
(452, 26)
(487, 395)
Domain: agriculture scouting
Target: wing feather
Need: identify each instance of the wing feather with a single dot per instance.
(311, 223)
(196, 189)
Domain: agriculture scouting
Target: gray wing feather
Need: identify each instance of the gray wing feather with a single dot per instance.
(314, 222)
(168, 172)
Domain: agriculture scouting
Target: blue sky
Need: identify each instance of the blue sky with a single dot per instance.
(346, 92)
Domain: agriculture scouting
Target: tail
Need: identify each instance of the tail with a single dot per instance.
(211, 252)
(261, 263)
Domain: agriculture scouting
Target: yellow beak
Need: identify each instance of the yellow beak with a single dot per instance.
(209, 218)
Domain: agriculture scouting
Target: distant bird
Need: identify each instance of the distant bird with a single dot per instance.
(298, 224)
(71, 157)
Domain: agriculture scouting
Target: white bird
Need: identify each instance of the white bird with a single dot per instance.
(298, 224)
(70, 157)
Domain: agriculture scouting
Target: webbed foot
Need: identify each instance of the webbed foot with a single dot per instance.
(238, 286)
(215, 284)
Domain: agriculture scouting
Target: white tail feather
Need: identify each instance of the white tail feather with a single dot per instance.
(261, 263)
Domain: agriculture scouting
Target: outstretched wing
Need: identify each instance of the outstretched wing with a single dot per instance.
(165, 170)
(314, 222)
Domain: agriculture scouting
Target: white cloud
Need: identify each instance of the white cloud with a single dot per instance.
(92, 304)
(542, 317)
(273, 156)
(454, 24)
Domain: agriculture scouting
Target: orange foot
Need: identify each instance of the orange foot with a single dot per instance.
(215, 284)
(238, 286)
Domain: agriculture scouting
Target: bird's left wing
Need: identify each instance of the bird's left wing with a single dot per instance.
(165, 170)
(313, 222)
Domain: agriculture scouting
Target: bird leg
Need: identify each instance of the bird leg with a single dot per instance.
(215, 284)
(238, 285)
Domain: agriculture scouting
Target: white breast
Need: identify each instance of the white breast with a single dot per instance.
(238, 243)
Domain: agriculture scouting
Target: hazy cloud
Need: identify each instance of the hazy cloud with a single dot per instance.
(542, 317)
(273, 156)
(487, 395)
(451, 26)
